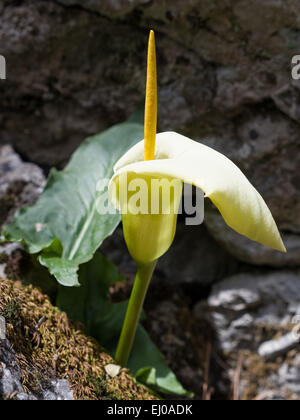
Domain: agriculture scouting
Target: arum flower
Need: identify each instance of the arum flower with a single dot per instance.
(173, 157)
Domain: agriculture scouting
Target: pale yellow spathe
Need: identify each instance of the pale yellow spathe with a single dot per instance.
(179, 157)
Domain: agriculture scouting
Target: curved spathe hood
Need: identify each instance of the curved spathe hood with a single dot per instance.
(241, 206)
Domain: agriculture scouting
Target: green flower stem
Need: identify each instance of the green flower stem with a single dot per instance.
(134, 310)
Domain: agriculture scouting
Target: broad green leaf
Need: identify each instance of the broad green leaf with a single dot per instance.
(64, 225)
(90, 305)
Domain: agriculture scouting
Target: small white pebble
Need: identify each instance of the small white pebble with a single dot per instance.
(112, 370)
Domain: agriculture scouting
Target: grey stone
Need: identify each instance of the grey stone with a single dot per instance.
(249, 251)
(10, 384)
(248, 313)
(20, 183)
(13, 169)
(289, 376)
(59, 390)
(116, 8)
(112, 75)
(266, 149)
(245, 305)
(10, 381)
(275, 348)
(10, 375)
(283, 383)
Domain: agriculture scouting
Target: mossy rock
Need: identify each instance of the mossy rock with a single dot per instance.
(47, 344)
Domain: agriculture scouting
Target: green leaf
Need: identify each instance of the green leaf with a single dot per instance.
(64, 225)
(157, 375)
(90, 305)
(63, 270)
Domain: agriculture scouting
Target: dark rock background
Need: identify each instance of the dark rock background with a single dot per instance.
(75, 68)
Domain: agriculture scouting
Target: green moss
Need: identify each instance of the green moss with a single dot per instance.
(10, 312)
(46, 342)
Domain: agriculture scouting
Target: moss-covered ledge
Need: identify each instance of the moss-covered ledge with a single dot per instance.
(46, 343)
